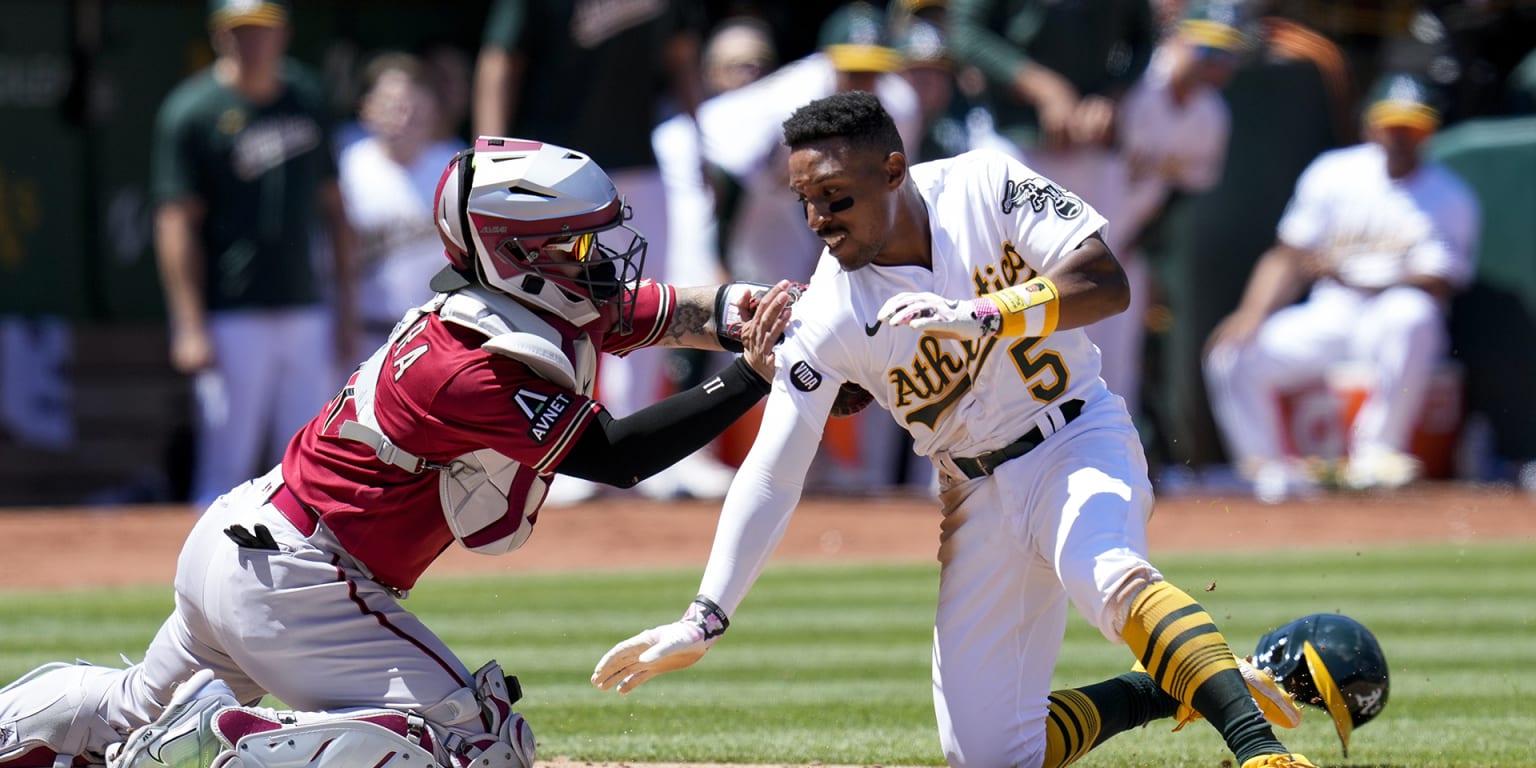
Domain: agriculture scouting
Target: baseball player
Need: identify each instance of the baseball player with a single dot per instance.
(1384, 238)
(291, 584)
(1173, 127)
(955, 292)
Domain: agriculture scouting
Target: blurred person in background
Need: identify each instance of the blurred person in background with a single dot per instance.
(739, 51)
(242, 165)
(1055, 75)
(1173, 129)
(763, 237)
(387, 180)
(1384, 238)
(953, 122)
(600, 75)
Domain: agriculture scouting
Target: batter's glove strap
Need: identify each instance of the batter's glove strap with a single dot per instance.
(708, 616)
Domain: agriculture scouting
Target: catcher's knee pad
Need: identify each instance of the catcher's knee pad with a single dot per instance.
(50, 714)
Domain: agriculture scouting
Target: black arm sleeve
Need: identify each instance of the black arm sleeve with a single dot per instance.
(622, 452)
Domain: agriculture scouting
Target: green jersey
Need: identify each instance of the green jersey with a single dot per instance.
(257, 169)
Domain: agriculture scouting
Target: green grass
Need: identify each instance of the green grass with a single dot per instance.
(830, 664)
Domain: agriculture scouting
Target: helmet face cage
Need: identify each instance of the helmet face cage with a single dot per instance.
(527, 218)
(607, 275)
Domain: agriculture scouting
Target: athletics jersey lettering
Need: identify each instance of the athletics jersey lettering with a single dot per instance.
(1010, 271)
(932, 377)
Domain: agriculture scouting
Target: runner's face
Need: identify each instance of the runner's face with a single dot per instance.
(848, 198)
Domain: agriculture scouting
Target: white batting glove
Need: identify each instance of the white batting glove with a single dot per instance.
(661, 649)
(948, 318)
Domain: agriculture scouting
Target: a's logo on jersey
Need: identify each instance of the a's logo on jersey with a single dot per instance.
(1038, 193)
(804, 377)
(872, 328)
(543, 411)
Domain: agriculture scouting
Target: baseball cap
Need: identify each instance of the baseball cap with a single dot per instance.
(923, 44)
(227, 14)
(1399, 99)
(1216, 24)
(854, 37)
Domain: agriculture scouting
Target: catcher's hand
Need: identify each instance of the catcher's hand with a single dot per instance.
(947, 318)
(737, 303)
(661, 649)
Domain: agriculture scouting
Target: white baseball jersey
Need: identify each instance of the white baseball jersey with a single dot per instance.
(1063, 523)
(1378, 230)
(390, 207)
(961, 397)
(995, 223)
(1168, 145)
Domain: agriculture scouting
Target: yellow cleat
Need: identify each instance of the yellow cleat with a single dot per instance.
(1291, 760)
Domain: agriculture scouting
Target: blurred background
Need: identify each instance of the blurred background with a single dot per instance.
(92, 412)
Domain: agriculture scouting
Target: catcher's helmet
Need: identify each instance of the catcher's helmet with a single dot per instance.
(1331, 662)
(523, 217)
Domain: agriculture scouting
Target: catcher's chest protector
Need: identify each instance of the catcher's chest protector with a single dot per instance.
(487, 498)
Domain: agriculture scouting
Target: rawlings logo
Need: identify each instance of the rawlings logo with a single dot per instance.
(1038, 193)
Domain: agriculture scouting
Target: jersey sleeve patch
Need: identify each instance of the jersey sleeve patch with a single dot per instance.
(1039, 194)
(804, 377)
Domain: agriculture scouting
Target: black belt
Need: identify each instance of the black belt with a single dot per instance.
(987, 463)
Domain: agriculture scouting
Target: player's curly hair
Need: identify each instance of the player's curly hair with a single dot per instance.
(855, 115)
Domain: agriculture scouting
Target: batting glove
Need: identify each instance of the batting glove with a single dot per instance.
(661, 649)
(947, 318)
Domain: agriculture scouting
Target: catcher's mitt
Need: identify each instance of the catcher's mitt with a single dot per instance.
(851, 398)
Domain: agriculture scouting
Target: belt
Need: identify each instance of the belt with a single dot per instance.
(300, 514)
(987, 463)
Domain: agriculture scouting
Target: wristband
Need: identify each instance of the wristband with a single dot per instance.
(705, 613)
(728, 320)
(1030, 309)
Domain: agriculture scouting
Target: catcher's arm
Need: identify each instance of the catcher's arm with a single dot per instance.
(713, 317)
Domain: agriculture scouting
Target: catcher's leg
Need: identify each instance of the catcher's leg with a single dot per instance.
(205, 728)
(51, 716)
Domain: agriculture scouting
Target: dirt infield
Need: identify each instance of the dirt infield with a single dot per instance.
(69, 548)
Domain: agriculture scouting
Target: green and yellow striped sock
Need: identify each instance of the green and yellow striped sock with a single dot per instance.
(1178, 643)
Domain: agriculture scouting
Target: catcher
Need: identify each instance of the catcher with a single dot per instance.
(292, 584)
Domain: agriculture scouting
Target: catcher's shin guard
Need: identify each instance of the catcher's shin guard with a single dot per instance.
(49, 716)
(204, 727)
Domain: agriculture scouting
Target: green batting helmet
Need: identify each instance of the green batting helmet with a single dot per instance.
(1332, 662)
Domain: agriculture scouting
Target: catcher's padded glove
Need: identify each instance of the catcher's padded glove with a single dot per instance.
(851, 398)
(729, 314)
(661, 649)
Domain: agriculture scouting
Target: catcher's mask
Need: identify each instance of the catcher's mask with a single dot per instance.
(525, 217)
(1331, 662)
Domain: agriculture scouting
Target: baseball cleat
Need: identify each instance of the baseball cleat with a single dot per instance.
(182, 737)
(1291, 760)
